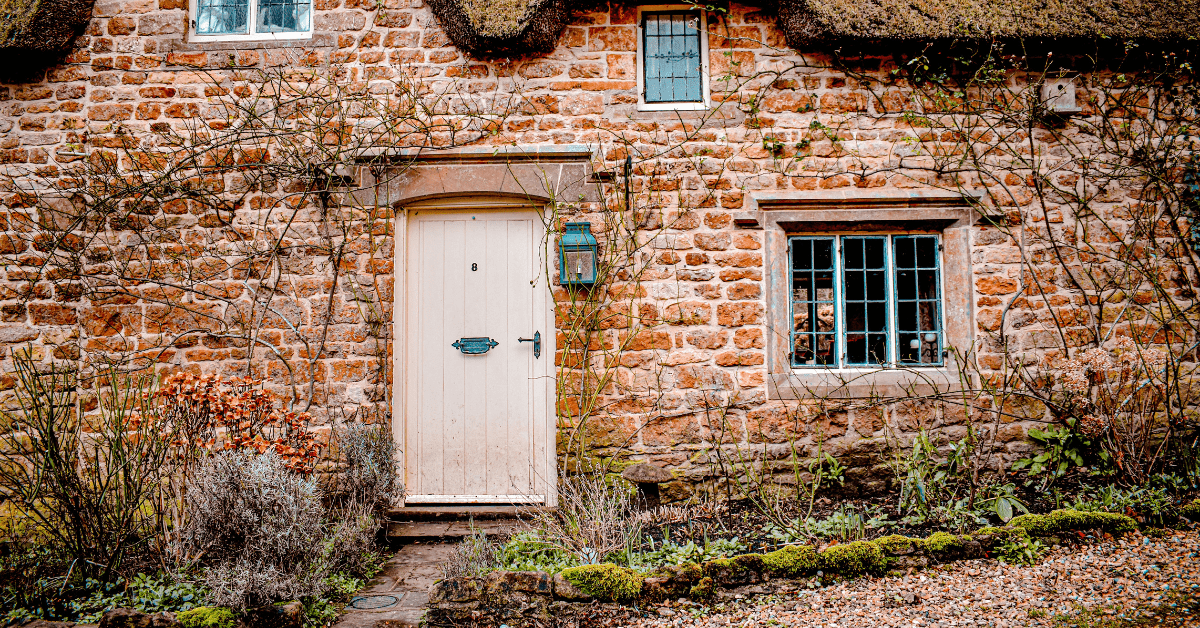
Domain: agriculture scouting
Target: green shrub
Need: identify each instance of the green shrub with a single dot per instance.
(853, 559)
(606, 582)
(792, 561)
(1191, 511)
(207, 617)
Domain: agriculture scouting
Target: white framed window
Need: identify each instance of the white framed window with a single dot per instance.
(866, 301)
(247, 20)
(672, 58)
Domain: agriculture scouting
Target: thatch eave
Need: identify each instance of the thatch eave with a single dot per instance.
(41, 27)
(490, 28)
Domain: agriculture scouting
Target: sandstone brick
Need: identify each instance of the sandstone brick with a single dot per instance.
(738, 358)
(122, 25)
(612, 39)
(708, 339)
(738, 314)
(52, 314)
(622, 67)
(705, 377)
(713, 241)
(996, 285)
(110, 112)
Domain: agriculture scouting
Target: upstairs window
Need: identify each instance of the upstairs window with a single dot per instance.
(251, 19)
(866, 301)
(672, 60)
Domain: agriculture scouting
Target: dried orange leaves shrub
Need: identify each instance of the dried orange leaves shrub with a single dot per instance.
(206, 413)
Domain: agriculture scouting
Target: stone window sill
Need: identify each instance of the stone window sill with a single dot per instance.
(863, 383)
(318, 40)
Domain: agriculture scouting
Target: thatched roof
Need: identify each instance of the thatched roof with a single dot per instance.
(42, 27)
(508, 27)
(810, 21)
(501, 27)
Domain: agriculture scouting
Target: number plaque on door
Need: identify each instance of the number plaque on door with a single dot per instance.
(474, 346)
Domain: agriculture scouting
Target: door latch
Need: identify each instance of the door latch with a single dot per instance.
(537, 343)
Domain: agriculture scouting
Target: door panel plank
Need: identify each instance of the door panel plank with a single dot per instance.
(431, 239)
(477, 311)
(496, 389)
(520, 297)
(453, 379)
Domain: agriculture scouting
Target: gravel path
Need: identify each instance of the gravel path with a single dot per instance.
(1155, 581)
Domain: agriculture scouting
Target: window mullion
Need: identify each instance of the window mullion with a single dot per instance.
(839, 323)
(252, 16)
(890, 293)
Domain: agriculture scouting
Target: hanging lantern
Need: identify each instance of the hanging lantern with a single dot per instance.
(577, 253)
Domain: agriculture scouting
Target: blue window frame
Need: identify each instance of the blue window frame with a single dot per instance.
(866, 301)
(671, 57)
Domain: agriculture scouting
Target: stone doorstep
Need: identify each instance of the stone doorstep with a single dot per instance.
(448, 529)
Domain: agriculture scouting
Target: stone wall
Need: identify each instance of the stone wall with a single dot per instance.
(695, 356)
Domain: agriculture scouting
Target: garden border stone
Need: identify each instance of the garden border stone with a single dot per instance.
(536, 598)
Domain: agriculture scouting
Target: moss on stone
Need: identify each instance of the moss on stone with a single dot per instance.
(939, 542)
(896, 544)
(1063, 520)
(702, 590)
(792, 561)
(853, 559)
(606, 582)
(992, 536)
(207, 617)
(1191, 511)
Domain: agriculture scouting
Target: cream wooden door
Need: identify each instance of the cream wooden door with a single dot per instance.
(478, 426)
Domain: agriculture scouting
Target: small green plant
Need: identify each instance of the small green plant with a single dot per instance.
(1153, 505)
(146, 593)
(1020, 550)
(319, 612)
(669, 553)
(1063, 448)
(845, 525)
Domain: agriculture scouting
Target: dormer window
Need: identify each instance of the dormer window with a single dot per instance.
(232, 20)
(672, 58)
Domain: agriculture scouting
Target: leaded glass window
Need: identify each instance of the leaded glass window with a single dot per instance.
(222, 17)
(236, 17)
(671, 56)
(866, 301)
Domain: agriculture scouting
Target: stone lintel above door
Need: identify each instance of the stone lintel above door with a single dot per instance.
(534, 175)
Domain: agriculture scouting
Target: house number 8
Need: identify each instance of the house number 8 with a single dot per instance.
(474, 266)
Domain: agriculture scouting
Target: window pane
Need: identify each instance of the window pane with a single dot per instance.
(221, 17)
(283, 16)
(864, 275)
(671, 56)
(814, 310)
(918, 300)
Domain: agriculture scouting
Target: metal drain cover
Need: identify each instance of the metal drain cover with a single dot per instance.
(372, 602)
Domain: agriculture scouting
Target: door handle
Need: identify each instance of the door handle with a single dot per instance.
(537, 343)
(474, 346)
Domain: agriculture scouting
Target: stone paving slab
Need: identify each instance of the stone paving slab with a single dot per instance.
(408, 578)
